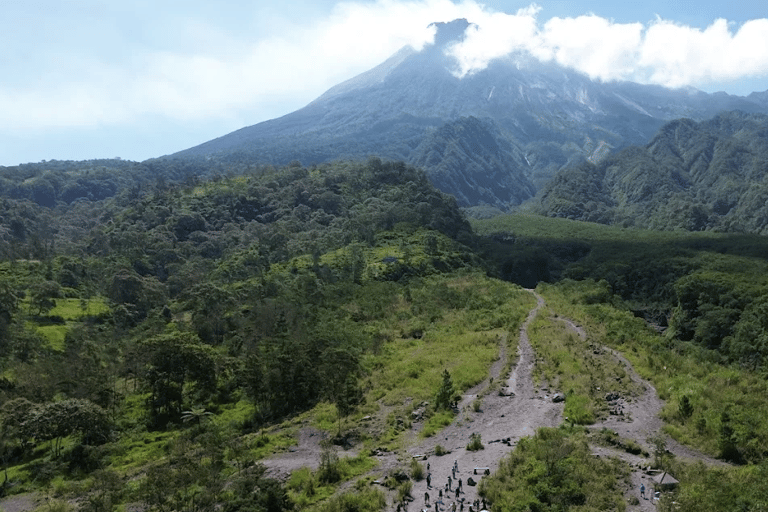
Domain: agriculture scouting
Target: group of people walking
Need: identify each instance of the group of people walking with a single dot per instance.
(453, 486)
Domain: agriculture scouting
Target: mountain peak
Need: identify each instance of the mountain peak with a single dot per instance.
(450, 32)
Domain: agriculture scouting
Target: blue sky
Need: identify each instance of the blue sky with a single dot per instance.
(142, 78)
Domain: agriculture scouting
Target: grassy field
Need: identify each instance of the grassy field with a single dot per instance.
(676, 369)
(72, 312)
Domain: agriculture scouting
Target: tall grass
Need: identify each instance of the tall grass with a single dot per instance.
(676, 369)
(580, 369)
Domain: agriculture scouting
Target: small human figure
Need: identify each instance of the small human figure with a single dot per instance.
(461, 507)
(441, 494)
(457, 493)
(484, 507)
(429, 480)
(426, 498)
(642, 490)
(437, 507)
(453, 506)
(459, 487)
(449, 483)
(427, 466)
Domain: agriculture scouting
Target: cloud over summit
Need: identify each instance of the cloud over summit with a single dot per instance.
(196, 67)
(662, 52)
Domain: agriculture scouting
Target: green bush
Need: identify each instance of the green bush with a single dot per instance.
(555, 470)
(475, 443)
(417, 470)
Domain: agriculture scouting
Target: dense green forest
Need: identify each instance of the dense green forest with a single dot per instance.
(165, 327)
(694, 176)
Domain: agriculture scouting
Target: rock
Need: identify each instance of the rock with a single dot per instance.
(558, 397)
(471, 481)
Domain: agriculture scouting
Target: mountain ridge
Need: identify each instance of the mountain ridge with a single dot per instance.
(692, 175)
(552, 115)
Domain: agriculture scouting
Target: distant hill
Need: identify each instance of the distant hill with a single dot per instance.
(692, 175)
(536, 118)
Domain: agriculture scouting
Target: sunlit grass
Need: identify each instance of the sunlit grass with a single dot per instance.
(675, 369)
(580, 369)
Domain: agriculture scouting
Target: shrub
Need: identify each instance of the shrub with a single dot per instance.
(475, 443)
(404, 490)
(417, 470)
(439, 451)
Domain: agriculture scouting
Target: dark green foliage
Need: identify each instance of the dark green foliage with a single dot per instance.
(178, 367)
(43, 296)
(685, 407)
(252, 491)
(444, 396)
(55, 420)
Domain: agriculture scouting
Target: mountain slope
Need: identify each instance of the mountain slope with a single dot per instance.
(696, 176)
(552, 115)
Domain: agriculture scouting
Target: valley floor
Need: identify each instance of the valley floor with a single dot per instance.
(508, 412)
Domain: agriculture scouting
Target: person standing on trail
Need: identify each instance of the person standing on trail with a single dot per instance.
(426, 499)
(429, 480)
(449, 483)
(642, 490)
(459, 487)
(457, 493)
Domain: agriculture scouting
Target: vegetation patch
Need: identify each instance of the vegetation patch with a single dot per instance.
(580, 368)
(726, 401)
(555, 470)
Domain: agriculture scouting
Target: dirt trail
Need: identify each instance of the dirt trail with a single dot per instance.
(508, 412)
(640, 421)
(516, 413)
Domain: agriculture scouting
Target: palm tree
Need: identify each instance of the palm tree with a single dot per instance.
(196, 414)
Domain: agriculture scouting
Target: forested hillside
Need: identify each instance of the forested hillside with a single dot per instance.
(535, 117)
(695, 176)
(166, 339)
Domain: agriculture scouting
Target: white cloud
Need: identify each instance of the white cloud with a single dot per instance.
(222, 73)
(596, 46)
(663, 53)
(677, 55)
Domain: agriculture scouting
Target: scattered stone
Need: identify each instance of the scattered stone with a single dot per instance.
(558, 397)
(471, 481)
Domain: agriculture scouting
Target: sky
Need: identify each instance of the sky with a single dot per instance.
(137, 79)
